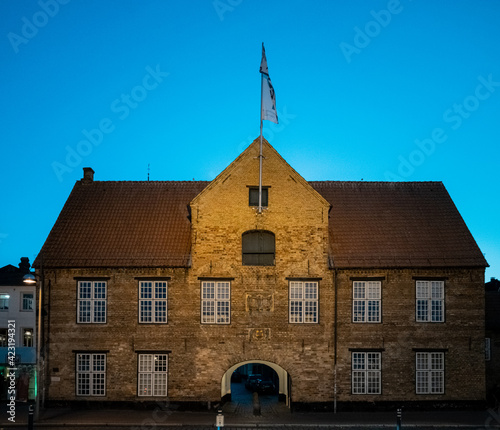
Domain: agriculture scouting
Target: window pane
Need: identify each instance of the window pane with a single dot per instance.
(296, 311)
(145, 363)
(83, 362)
(373, 290)
(310, 312)
(99, 290)
(422, 289)
(358, 361)
(83, 382)
(223, 312)
(146, 290)
(223, 290)
(373, 382)
(373, 310)
(99, 384)
(422, 383)
(27, 302)
(145, 384)
(160, 290)
(85, 290)
(208, 312)
(28, 337)
(437, 311)
(160, 384)
(99, 362)
(161, 363)
(4, 302)
(373, 361)
(359, 290)
(84, 311)
(160, 311)
(437, 289)
(422, 310)
(99, 311)
(295, 290)
(358, 382)
(437, 361)
(146, 310)
(437, 382)
(208, 290)
(311, 290)
(358, 312)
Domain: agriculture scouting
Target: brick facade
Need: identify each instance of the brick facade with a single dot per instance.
(199, 355)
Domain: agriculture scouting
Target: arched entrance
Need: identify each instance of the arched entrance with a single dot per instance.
(284, 384)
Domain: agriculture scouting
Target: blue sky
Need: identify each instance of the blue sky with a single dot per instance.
(379, 90)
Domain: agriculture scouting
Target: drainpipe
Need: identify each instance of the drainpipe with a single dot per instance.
(335, 342)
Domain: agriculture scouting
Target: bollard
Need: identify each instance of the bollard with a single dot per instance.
(219, 419)
(30, 418)
(256, 404)
(398, 418)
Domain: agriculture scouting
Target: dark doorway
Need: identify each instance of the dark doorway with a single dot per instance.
(250, 378)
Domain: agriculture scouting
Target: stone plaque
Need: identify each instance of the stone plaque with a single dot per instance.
(258, 334)
(259, 303)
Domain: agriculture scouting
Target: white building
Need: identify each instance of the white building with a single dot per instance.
(17, 333)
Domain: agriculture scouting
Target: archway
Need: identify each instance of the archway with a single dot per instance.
(283, 387)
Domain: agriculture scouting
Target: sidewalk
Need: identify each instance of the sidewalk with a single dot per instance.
(163, 417)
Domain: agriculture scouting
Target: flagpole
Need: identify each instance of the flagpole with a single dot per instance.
(260, 151)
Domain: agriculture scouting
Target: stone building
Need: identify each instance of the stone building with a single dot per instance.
(353, 292)
(17, 333)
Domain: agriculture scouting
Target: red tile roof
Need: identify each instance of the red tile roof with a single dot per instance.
(397, 224)
(372, 224)
(126, 223)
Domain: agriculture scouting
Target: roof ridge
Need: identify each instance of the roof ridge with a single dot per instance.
(152, 182)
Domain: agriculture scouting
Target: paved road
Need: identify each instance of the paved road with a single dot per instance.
(239, 416)
(271, 427)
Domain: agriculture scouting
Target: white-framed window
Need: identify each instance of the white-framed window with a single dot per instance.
(152, 375)
(366, 372)
(92, 298)
(27, 300)
(153, 301)
(487, 348)
(91, 374)
(430, 301)
(430, 373)
(28, 337)
(4, 302)
(366, 297)
(303, 302)
(215, 302)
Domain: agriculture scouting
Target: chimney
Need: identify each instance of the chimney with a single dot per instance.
(88, 174)
(24, 265)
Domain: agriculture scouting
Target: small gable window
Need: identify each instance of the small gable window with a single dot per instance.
(258, 248)
(253, 196)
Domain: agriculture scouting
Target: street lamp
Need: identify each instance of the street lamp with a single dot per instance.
(30, 278)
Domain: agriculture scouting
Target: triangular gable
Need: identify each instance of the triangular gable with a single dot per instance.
(252, 151)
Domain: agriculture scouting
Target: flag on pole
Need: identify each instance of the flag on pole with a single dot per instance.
(268, 97)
